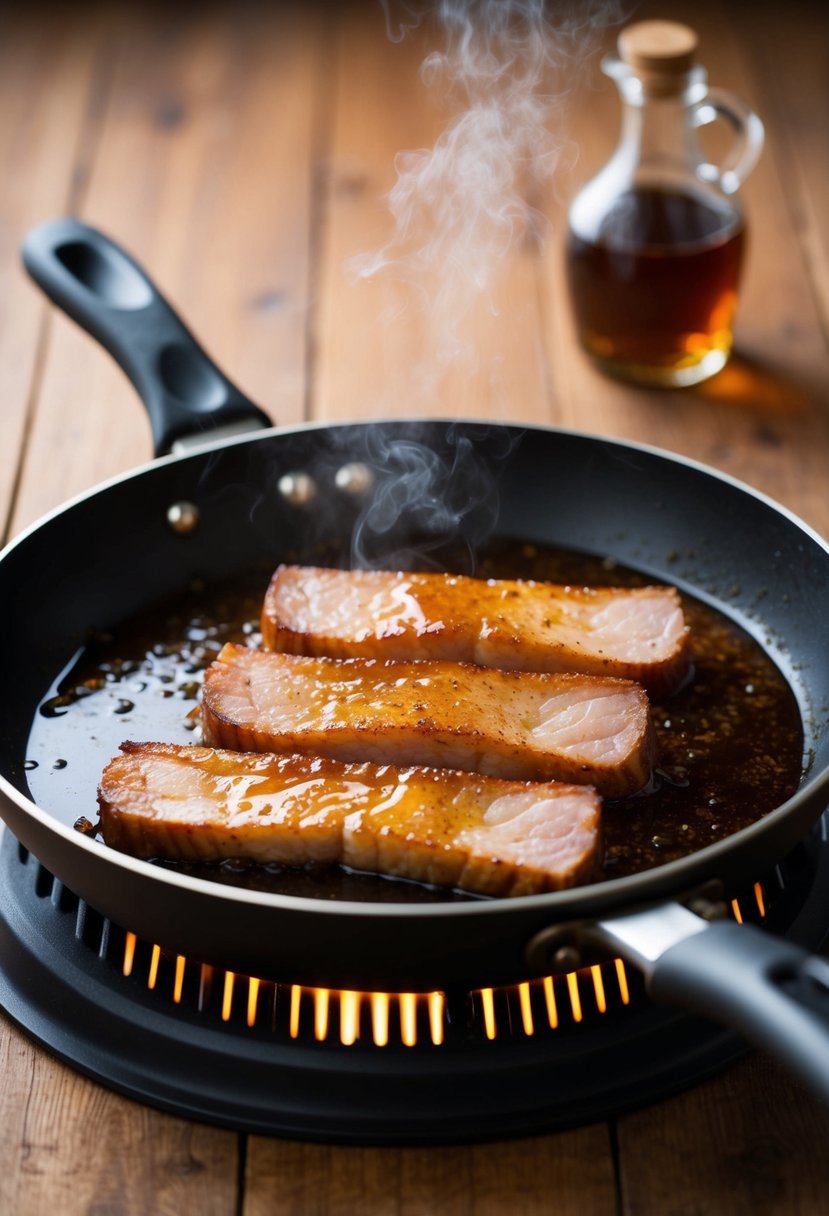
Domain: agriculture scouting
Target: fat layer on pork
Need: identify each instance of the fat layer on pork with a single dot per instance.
(482, 834)
(521, 725)
(638, 634)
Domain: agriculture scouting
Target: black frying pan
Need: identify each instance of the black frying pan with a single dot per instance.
(112, 554)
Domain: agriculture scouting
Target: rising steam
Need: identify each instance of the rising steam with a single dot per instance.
(461, 212)
(435, 496)
(461, 208)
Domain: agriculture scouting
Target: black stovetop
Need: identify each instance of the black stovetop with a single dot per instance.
(273, 1058)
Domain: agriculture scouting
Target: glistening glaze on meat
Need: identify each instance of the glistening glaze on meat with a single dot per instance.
(482, 834)
(586, 729)
(639, 634)
(729, 744)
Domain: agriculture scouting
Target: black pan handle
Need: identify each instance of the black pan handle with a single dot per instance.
(101, 287)
(772, 991)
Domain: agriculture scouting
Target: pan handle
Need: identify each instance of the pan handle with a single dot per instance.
(101, 287)
(772, 991)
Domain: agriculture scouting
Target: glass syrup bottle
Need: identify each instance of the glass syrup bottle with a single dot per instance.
(656, 238)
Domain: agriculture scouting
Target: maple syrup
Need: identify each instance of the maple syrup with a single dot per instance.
(654, 296)
(656, 238)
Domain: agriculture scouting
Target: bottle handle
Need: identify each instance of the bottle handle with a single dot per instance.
(748, 143)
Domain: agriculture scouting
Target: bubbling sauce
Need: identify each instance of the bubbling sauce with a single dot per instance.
(729, 743)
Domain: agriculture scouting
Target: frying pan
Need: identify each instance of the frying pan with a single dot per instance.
(111, 554)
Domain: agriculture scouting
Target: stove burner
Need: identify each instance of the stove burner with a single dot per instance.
(358, 1067)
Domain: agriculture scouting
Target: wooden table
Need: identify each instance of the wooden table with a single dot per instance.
(243, 153)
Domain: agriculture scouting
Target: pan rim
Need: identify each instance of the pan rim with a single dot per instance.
(623, 891)
(277, 431)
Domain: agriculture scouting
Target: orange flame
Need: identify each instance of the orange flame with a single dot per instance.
(437, 1007)
(621, 976)
(227, 995)
(349, 1017)
(321, 1004)
(296, 993)
(129, 953)
(575, 998)
(416, 1014)
(155, 958)
(598, 988)
(488, 1005)
(253, 1000)
(526, 1008)
(178, 981)
(408, 1018)
(550, 1002)
(380, 1018)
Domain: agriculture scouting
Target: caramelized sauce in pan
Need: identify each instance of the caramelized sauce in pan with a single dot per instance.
(729, 743)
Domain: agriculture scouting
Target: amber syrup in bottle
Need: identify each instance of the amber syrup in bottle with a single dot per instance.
(654, 298)
(656, 239)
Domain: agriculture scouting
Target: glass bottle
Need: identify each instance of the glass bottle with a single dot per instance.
(656, 238)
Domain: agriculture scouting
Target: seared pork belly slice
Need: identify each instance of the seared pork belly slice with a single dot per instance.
(592, 730)
(160, 800)
(639, 634)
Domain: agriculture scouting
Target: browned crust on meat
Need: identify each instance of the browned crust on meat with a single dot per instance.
(424, 844)
(462, 736)
(457, 639)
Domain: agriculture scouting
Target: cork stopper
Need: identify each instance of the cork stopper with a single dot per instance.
(659, 52)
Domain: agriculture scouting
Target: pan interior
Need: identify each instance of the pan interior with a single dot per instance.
(729, 744)
(112, 558)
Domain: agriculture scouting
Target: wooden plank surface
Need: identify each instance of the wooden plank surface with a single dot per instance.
(50, 82)
(192, 142)
(67, 1145)
(484, 1180)
(417, 337)
(243, 155)
(751, 1141)
(202, 169)
(791, 67)
(763, 419)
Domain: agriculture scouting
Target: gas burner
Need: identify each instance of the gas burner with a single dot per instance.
(356, 1067)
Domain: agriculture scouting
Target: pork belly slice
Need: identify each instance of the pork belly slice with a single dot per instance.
(592, 730)
(638, 634)
(161, 800)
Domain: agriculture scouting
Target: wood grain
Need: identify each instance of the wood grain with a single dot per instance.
(69, 1146)
(191, 142)
(744, 1145)
(763, 419)
(243, 153)
(412, 338)
(530, 1177)
(202, 170)
(790, 58)
(50, 79)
